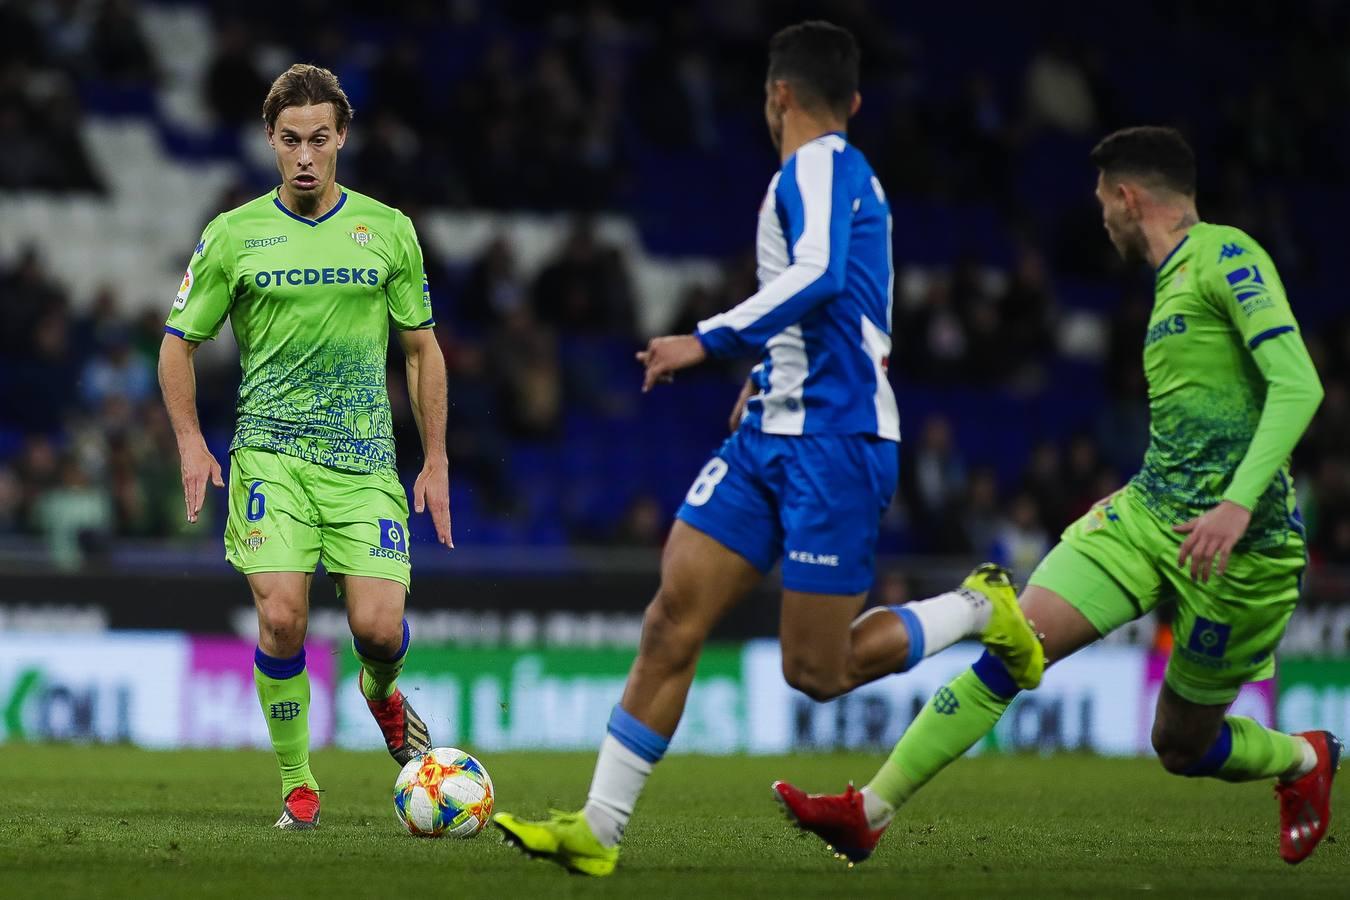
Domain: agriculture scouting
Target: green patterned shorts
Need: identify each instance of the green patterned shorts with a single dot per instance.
(1119, 561)
(288, 514)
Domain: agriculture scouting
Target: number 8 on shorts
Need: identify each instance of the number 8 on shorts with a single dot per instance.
(701, 491)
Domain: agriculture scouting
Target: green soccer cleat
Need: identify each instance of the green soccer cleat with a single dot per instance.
(563, 838)
(1010, 635)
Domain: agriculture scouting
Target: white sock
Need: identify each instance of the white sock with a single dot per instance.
(878, 811)
(619, 776)
(950, 617)
(1307, 761)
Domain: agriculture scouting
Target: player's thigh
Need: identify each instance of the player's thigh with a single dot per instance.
(1226, 630)
(1096, 579)
(363, 524)
(730, 504)
(815, 634)
(834, 490)
(271, 525)
(701, 579)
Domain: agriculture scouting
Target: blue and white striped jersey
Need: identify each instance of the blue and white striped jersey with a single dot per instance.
(822, 314)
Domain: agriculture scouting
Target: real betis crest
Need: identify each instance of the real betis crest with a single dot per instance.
(361, 235)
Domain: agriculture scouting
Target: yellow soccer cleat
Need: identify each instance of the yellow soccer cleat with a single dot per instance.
(564, 838)
(1009, 635)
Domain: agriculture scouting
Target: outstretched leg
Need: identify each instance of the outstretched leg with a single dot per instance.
(700, 581)
(959, 714)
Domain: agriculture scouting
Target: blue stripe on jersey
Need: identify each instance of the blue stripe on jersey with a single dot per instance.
(821, 316)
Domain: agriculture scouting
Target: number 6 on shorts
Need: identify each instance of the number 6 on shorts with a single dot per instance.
(701, 491)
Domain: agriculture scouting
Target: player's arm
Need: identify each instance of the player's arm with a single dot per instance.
(178, 382)
(1249, 292)
(427, 393)
(198, 313)
(409, 298)
(817, 213)
(738, 411)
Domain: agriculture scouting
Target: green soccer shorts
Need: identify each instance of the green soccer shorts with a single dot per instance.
(288, 514)
(1119, 561)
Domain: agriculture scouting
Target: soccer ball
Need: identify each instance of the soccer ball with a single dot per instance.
(443, 793)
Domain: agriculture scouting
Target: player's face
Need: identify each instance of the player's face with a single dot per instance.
(306, 141)
(1122, 226)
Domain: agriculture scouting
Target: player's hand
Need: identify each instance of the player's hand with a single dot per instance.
(432, 489)
(738, 410)
(1212, 535)
(197, 466)
(665, 356)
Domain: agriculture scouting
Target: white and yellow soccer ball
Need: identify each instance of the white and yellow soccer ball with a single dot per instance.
(443, 793)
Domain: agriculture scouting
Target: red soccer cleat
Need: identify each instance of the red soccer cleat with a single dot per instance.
(405, 734)
(1305, 804)
(837, 819)
(300, 811)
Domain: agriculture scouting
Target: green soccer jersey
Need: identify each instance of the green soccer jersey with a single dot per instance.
(1218, 298)
(310, 302)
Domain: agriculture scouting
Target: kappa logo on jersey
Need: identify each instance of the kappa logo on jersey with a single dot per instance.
(1249, 287)
(331, 275)
(255, 243)
(201, 247)
(1231, 250)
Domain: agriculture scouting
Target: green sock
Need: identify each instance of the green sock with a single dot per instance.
(1257, 752)
(958, 715)
(379, 677)
(283, 691)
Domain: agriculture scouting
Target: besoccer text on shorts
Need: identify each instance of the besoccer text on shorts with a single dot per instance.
(309, 276)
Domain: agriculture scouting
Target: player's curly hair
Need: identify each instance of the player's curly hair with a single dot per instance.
(306, 85)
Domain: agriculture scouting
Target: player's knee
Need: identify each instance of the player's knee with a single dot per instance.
(382, 634)
(812, 679)
(282, 627)
(1176, 755)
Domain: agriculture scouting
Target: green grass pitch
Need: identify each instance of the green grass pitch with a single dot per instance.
(119, 822)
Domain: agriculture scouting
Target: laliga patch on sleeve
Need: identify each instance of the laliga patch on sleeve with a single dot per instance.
(184, 289)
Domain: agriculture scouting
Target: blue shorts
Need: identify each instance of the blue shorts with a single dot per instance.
(816, 500)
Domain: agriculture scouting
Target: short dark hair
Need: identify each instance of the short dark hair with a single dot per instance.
(820, 59)
(306, 85)
(1157, 154)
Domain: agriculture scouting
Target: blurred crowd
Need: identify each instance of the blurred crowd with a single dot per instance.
(591, 105)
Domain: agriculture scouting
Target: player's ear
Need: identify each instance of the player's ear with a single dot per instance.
(271, 136)
(341, 138)
(855, 104)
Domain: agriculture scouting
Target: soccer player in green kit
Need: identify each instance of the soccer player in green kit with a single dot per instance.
(310, 275)
(1210, 520)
